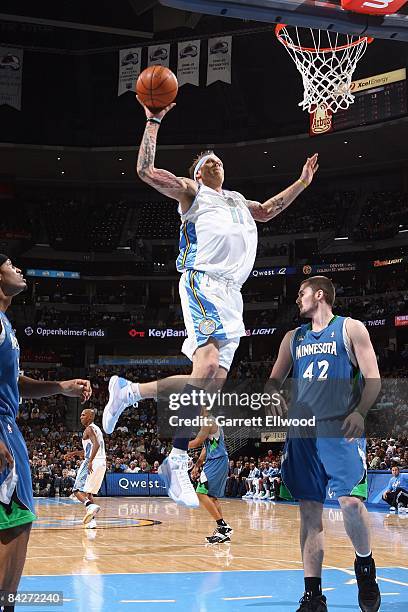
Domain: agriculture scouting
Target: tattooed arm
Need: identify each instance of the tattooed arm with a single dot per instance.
(275, 205)
(178, 188)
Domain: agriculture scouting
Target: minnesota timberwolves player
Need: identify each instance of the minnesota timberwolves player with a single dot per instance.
(218, 243)
(213, 478)
(336, 379)
(16, 494)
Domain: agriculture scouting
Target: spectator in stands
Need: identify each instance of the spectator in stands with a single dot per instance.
(275, 480)
(44, 469)
(396, 494)
(231, 481)
(155, 468)
(251, 483)
(71, 470)
(378, 458)
(133, 468)
(42, 485)
(66, 484)
(263, 484)
(144, 467)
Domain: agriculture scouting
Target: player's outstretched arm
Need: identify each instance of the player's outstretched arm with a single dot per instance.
(178, 188)
(353, 426)
(275, 205)
(77, 387)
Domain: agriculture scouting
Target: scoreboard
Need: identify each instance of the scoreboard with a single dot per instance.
(376, 98)
(372, 105)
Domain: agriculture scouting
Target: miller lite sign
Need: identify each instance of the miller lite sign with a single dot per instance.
(321, 120)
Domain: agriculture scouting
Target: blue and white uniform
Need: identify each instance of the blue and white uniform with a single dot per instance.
(91, 482)
(16, 491)
(327, 385)
(213, 477)
(218, 243)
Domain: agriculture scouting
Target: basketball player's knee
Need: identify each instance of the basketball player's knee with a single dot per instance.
(311, 514)
(351, 506)
(207, 367)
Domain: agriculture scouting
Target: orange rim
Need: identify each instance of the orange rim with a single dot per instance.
(280, 26)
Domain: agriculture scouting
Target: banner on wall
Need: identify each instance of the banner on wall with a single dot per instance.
(135, 485)
(129, 69)
(11, 74)
(188, 62)
(158, 55)
(219, 59)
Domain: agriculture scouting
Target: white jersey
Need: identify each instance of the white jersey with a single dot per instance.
(87, 444)
(218, 236)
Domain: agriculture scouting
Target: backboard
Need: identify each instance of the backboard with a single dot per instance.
(319, 14)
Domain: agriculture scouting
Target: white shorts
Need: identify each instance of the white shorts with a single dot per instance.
(211, 309)
(90, 483)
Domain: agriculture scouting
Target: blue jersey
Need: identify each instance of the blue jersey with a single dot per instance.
(398, 482)
(215, 446)
(327, 382)
(9, 369)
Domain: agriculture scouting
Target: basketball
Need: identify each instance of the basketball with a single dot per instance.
(157, 87)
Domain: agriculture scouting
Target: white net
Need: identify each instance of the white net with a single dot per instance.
(326, 60)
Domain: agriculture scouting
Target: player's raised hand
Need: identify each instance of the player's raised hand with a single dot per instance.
(77, 387)
(6, 457)
(309, 169)
(157, 115)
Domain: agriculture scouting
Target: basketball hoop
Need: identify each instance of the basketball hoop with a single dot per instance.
(327, 61)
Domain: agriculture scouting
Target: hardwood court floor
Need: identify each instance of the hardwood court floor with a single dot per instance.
(150, 555)
(128, 539)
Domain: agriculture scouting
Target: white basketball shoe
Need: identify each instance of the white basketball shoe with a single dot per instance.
(174, 471)
(120, 397)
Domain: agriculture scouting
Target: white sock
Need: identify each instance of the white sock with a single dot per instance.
(130, 393)
(360, 555)
(177, 451)
(136, 392)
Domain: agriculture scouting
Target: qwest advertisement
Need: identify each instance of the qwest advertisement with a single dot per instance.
(134, 485)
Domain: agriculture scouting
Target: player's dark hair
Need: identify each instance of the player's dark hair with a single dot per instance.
(323, 283)
(197, 159)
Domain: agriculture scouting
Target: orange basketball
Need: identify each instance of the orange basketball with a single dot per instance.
(157, 87)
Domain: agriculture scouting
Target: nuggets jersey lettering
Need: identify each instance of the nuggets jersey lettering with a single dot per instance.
(218, 235)
(327, 380)
(9, 369)
(87, 444)
(215, 446)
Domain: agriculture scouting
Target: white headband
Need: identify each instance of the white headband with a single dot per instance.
(200, 163)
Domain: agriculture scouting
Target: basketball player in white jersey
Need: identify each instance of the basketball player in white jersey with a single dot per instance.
(218, 243)
(92, 470)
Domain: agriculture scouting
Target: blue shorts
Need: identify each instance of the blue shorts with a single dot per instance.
(312, 466)
(214, 477)
(17, 503)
